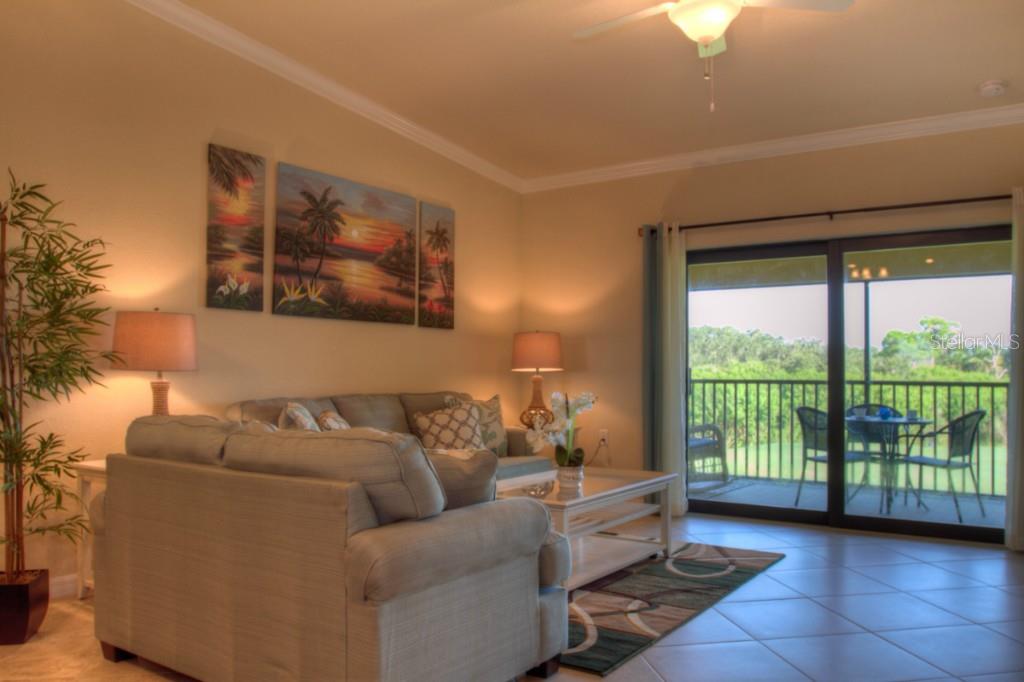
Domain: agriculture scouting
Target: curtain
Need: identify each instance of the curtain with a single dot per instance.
(1015, 409)
(665, 357)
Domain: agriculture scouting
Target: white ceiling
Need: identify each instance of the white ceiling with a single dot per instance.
(503, 81)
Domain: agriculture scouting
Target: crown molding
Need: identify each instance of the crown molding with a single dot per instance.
(801, 144)
(217, 33)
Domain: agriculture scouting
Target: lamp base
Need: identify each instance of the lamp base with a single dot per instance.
(161, 389)
(537, 410)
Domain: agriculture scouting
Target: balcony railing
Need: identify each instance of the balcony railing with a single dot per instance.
(757, 418)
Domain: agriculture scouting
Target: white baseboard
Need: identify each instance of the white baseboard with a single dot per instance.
(63, 586)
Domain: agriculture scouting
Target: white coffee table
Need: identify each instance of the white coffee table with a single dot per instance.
(610, 498)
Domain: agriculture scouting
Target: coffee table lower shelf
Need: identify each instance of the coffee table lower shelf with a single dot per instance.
(597, 556)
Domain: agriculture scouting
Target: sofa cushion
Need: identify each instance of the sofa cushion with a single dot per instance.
(451, 428)
(268, 409)
(414, 403)
(376, 411)
(392, 468)
(405, 558)
(510, 467)
(199, 439)
(492, 428)
(467, 476)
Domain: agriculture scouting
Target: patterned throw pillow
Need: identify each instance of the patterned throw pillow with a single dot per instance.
(329, 420)
(453, 428)
(296, 417)
(492, 429)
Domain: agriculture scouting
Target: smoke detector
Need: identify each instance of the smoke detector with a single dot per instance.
(993, 88)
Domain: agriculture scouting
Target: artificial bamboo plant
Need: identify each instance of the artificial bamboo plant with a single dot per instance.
(48, 278)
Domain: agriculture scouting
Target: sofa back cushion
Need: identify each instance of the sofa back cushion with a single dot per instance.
(372, 410)
(198, 439)
(268, 410)
(425, 403)
(392, 468)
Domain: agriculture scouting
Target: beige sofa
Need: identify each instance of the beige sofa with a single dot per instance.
(228, 553)
(393, 412)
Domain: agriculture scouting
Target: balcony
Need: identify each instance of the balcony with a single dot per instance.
(762, 448)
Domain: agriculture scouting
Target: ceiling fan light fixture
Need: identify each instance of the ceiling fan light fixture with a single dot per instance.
(704, 21)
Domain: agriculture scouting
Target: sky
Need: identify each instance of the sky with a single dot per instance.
(980, 304)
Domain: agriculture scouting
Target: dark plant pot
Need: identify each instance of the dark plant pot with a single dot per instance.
(23, 606)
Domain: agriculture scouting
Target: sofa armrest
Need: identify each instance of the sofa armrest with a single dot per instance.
(517, 445)
(555, 560)
(410, 556)
(96, 518)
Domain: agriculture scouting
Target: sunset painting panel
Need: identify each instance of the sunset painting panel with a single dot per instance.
(236, 195)
(437, 267)
(343, 250)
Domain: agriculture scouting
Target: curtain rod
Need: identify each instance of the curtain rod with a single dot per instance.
(846, 211)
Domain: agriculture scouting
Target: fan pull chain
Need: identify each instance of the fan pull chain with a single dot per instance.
(709, 76)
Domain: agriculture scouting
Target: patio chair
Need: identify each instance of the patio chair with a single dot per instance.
(962, 435)
(705, 456)
(814, 428)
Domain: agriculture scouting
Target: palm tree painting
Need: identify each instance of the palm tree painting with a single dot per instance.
(236, 189)
(437, 267)
(343, 250)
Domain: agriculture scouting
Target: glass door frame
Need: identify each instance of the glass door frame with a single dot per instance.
(835, 250)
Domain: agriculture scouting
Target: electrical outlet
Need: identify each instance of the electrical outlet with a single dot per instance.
(602, 438)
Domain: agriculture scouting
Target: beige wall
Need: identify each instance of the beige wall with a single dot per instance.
(582, 266)
(113, 109)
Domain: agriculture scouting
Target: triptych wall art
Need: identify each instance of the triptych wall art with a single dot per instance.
(342, 250)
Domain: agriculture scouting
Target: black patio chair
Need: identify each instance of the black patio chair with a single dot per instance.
(814, 427)
(705, 456)
(962, 435)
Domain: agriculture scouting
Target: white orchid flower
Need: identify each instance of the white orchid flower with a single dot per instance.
(536, 439)
(243, 288)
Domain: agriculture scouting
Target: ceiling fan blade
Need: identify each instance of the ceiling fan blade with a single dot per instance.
(809, 5)
(622, 21)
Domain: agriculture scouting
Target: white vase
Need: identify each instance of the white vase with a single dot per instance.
(570, 481)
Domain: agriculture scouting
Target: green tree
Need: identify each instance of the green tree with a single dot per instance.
(299, 244)
(399, 260)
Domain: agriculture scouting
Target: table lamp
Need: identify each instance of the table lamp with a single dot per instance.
(157, 342)
(537, 352)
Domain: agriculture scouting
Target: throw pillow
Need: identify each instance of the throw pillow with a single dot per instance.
(467, 476)
(257, 427)
(492, 429)
(297, 418)
(453, 428)
(329, 420)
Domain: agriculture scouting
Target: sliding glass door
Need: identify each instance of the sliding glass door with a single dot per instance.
(927, 332)
(758, 338)
(896, 347)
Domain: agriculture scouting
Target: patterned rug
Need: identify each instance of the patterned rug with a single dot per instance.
(613, 619)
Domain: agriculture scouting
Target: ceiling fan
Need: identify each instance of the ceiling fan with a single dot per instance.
(705, 21)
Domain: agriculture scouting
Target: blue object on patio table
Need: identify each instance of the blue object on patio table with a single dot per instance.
(884, 412)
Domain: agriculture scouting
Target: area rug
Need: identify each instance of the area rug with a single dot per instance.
(613, 619)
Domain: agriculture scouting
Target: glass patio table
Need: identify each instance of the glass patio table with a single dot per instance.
(888, 433)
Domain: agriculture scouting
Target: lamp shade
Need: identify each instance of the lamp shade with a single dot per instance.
(537, 352)
(155, 341)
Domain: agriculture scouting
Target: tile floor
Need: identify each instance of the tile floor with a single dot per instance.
(846, 606)
(841, 606)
